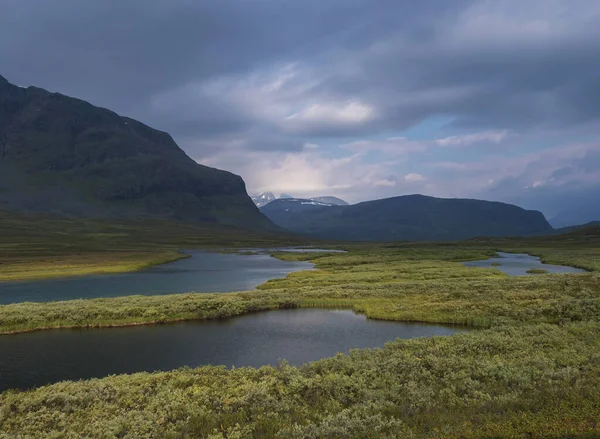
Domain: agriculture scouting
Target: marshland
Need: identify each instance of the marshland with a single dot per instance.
(528, 366)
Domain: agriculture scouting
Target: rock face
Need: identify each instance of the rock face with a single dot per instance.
(411, 217)
(63, 155)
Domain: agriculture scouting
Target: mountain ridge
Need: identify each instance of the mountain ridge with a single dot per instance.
(409, 217)
(66, 156)
(265, 198)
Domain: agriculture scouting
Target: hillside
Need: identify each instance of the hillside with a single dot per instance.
(411, 217)
(65, 156)
(590, 225)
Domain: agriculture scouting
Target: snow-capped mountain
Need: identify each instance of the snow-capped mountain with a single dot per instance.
(332, 201)
(261, 200)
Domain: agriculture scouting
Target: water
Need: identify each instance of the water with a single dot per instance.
(291, 250)
(302, 335)
(515, 264)
(203, 272)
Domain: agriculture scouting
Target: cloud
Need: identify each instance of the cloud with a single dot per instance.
(311, 146)
(414, 178)
(494, 137)
(386, 182)
(391, 145)
(254, 87)
(330, 114)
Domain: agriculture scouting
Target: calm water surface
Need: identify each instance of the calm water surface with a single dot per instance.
(515, 264)
(37, 358)
(204, 272)
(291, 250)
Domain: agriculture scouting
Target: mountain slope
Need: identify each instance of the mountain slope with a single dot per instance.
(412, 217)
(63, 155)
(262, 199)
(563, 230)
(335, 201)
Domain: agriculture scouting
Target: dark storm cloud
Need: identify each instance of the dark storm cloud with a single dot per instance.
(119, 54)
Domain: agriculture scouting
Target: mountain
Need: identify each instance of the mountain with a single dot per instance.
(293, 205)
(411, 217)
(580, 214)
(65, 156)
(569, 229)
(261, 200)
(334, 201)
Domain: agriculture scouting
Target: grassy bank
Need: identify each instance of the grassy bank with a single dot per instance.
(532, 370)
(536, 381)
(390, 284)
(45, 246)
(30, 268)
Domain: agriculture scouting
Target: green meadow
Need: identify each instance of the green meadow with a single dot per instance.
(530, 368)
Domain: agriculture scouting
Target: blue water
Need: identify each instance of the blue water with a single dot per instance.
(291, 250)
(515, 264)
(299, 336)
(203, 272)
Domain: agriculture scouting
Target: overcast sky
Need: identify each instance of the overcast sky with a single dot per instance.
(361, 99)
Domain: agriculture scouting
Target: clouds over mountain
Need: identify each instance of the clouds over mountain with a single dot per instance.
(492, 98)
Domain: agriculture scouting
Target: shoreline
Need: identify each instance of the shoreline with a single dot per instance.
(131, 267)
(463, 325)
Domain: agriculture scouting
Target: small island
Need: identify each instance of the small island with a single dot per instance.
(537, 271)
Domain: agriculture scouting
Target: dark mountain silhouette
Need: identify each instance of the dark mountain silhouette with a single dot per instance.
(411, 217)
(65, 156)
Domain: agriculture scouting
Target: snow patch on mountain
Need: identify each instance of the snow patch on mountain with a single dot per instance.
(265, 198)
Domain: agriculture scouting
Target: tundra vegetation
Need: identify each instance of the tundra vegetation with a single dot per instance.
(537, 271)
(531, 369)
(46, 246)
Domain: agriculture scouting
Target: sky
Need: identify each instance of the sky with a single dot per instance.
(360, 99)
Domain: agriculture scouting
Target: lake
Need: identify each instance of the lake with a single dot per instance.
(290, 250)
(203, 272)
(515, 264)
(298, 335)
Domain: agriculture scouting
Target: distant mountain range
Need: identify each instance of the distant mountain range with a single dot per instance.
(411, 217)
(265, 198)
(65, 156)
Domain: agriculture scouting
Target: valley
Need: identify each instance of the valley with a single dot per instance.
(143, 295)
(528, 366)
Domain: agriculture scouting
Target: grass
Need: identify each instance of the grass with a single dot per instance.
(45, 246)
(531, 370)
(29, 268)
(496, 264)
(537, 271)
(391, 286)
